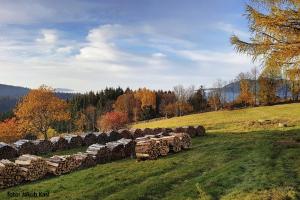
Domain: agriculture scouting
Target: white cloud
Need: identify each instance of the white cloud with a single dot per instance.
(48, 36)
(159, 55)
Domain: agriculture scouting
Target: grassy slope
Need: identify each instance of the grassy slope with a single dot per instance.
(221, 165)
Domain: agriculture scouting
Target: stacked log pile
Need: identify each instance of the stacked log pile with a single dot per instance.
(185, 139)
(136, 133)
(148, 131)
(32, 167)
(59, 143)
(162, 146)
(113, 136)
(157, 131)
(58, 165)
(200, 130)
(125, 133)
(101, 153)
(73, 141)
(116, 150)
(102, 138)
(85, 159)
(7, 151)
(89, 138)
(9, 174)
(42, 146)
(25, 147)
(146, 150)
(129, 147)
(173, 142)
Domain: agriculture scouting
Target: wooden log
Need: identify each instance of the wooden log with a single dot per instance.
(89, 138)
(7, 151)
(25, 147)
(85, 159)
(74, 141)
(137, 133)
(59, 143)
(58, 165)
(146, 150)
(185, 140)
(200, 130)
(173, 142)
(191, 131)
(116, 150)
(125, 134)
(148, 131)
(157, 131)
(32, 167)
(43, 146)
(102, 138)
(129, 147)
(113, 136)
(101, 153)
(162, 146)
(10, 174)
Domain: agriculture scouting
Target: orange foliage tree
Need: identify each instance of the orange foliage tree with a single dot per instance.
(245, 96)
(10, 130)
(112, 121)
(39, 109)
(126, 103)
(146, 97)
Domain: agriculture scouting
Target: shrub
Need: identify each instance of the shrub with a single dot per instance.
(112, 121)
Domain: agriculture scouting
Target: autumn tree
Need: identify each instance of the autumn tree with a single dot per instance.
(10, 130)
(275, 27)
(91, 117)
(294, 79)
(198, 100)
(39, 109)
(182, 97)
(245, 97)
(146, 97)
(81, 122)
(112, 121)
(268, 84)
(126, 103)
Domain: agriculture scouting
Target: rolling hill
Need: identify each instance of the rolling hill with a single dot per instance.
(245, 155)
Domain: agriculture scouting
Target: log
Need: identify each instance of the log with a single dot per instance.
(100, 152)
(10, 174)
(43, 146)
(102, 138)
(146, 150)
(85, 159)
(89, 138)
(173, 142)
(113, 136)
(162, 146)
(25, 147)
(200, 130)
(125, 134)
(59, 143)
(137, 133)
(157, 131)
(116, 150)
(185, 140)
(148, 131)
(32, 167)
(58, 165)
(7, 151)
(129, 147)
(74, 141)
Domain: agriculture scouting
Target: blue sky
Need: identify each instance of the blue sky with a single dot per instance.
(88, 45)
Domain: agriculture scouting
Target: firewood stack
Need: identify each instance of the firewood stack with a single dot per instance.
(137, 133)
(148, 131)
(32, 167)
(73, 141)
(116, 150)
(59, 143)
(58, 165)
(89, 138)
(25, 147)
(125, 134)
(162, 146)
(174, 143)
(85, 159)
(7, 151)
(200, 130)
(185, 139)
(157, 131)
(9, 174)
(102, 138)
(146, 150)
(43, 146)
(113, 136)
(101, 153)
(129, 147)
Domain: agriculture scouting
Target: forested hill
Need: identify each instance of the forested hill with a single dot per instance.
(9, 96)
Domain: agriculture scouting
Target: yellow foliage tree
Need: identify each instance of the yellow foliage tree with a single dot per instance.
(245, 96)
(39, 109)
(10, 130)
(275, 27)
(146, 97)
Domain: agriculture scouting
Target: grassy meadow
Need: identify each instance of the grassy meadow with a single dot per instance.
(238, 159)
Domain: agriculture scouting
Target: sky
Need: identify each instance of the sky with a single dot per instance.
(89, 45)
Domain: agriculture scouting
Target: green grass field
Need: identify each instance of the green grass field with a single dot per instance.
(238, 159)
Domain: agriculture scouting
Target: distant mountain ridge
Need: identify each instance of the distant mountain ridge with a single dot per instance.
(10, 95)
